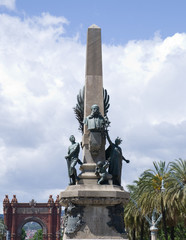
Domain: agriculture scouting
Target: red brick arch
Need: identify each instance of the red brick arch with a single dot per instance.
(38, 220)
(47, 215)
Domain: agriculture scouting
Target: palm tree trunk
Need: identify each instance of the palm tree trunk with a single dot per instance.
(142, 229)
(134, 234)
(172, 233)
(164, 219)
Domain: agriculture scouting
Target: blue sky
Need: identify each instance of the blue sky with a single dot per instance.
(121, 20)
(42, 68)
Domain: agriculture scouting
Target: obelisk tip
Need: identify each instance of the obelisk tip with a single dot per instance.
(94, 26)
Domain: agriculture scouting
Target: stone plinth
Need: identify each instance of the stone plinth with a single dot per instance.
(100, 211)
(81, 194)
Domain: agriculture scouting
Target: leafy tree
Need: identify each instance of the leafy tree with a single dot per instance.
(3, 229)
(150, 193)
(176, 194)
(23, 234)
(135, 222)
(132, 215)
(146, 194)
(38, 235)
(177, 183)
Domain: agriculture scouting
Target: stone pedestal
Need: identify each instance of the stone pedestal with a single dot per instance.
(96, 211)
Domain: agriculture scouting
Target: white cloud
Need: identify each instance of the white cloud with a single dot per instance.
(41, 73)
(10, 4)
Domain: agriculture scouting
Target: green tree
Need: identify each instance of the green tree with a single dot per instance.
(135, 222)
(3, 229)
(38, 235)
(150, 193)
(177, 183)
(146, 194)
(23, 234)
(176, 194)
(132, 215)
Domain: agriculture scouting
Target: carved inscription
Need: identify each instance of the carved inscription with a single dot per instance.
(32, 210)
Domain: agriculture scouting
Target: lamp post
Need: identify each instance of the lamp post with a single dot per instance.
(8, 235)
(152, 222)
(153, 225)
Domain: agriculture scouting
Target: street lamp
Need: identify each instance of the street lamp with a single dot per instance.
(153, 225)
(155, 222)
(8, 235)
(152, 222)
(162, 186)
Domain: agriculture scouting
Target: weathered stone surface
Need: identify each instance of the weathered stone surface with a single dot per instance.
(94, 53)
(94, 80)
(93, 146)
(96, 221)
(94, 195)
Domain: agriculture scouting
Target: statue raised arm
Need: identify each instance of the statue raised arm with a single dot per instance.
(115, 157)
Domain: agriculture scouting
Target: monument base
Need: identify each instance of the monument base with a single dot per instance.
(94, 211)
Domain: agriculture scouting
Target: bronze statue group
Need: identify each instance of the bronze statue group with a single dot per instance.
(95, 122)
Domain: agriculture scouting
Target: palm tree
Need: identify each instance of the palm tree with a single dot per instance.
(134, 220)
(150, 193)
(177, 182)
(146, 194)
(176, 193)
(131, 214)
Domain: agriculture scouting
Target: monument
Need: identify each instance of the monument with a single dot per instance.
(47, 215)
(94, 200)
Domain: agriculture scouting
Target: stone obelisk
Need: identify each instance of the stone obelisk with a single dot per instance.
(93, 211)
(94, 79)
(93, 95)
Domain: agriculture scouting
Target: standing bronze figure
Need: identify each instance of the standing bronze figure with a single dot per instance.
(115, 157)
(72, 160)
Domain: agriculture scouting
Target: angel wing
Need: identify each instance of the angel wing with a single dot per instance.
(79, 108)
(106, 103)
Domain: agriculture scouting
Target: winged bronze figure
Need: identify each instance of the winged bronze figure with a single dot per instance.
(79, 108)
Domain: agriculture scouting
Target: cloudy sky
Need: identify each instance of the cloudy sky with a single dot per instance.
(42, 68)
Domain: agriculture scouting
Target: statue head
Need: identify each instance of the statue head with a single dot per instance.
(72, 138)
(99, 164)
(95, 109)
(118, 141)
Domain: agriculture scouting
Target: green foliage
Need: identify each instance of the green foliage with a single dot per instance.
(3, 228)
(23, 234)
(146, 195)
(38, 235)
(179, 232)
(1, 221)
